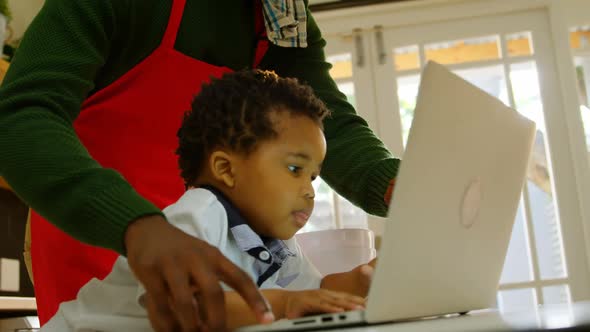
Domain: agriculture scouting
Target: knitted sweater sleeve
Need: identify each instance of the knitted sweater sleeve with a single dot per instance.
(358, 166)
(61, 54)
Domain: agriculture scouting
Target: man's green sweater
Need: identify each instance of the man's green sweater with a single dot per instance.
(75, 48)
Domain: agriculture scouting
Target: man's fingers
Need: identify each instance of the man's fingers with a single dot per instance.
(162, 320)
(211, 297)
(181, 297)
(161, 316)
(241, 283)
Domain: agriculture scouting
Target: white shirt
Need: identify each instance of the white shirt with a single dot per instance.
(113, 304)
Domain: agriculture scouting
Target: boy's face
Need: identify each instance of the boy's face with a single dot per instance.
(273, 185)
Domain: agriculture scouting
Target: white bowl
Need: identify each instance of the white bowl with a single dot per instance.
(338, 250)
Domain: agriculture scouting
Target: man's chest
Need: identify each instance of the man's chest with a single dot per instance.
(220, 32)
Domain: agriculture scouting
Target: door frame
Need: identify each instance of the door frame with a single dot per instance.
(568, 150)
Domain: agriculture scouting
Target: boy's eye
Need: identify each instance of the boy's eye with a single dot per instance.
(294, 169)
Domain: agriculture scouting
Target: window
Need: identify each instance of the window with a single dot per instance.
(510, 51)
(332, 210)
(580, 44)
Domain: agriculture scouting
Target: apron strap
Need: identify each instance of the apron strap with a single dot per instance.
(173, 23)
(262, 42)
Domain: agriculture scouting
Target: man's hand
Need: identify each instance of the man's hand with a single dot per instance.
(389, 192)
(173, 265)
(301, 303)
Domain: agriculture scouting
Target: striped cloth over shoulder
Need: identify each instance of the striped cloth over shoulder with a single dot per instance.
(286, 22)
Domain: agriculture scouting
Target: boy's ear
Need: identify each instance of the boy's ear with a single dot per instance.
(222, 167)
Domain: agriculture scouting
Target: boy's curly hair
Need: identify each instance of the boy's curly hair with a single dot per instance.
(233, 112)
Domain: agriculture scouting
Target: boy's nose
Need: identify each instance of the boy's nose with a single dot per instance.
(308, 191)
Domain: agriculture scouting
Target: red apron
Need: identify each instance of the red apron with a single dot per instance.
(129, 126)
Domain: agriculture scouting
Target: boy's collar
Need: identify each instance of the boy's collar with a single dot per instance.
(265, 249)
(234, 217)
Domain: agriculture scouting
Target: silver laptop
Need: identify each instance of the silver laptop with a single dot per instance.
(452, 211)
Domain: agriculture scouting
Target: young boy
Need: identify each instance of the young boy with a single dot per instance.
(248, 153)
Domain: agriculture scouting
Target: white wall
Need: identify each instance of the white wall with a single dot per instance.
(23, 12)
(577, 11)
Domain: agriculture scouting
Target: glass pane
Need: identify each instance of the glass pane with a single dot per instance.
(580, 42)
(324, 216)
(341, 65)
(525, 82)
(465, 50)
(351, 216)
(490, 79)
(517, 299)
(323, 213)
(527, 96)
(561, 320)
(583, 77)
(556, 294)
(407, 92)
(519, 44)
(547, 232)
(348, 89)
(583, 73)
(406, 58)
(580, 38)
(517, 266)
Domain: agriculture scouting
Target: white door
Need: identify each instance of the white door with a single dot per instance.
(581, 50)
(509, 56)
(352, 73)
(509, 53)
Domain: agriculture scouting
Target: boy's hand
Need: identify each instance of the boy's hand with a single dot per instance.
(171, 264)
(364, 275)
(356, 281)
(301, 303)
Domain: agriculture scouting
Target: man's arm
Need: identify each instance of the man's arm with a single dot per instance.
(42, 158)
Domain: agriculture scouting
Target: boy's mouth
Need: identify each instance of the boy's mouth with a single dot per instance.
(301, 217)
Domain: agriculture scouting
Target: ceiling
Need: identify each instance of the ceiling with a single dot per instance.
(321, 5)
(315, 2)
